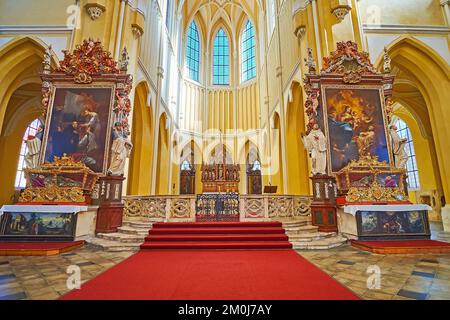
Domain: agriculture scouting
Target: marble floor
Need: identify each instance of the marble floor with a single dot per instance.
(402, 276)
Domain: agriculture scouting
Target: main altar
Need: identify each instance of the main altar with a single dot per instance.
(359, 180)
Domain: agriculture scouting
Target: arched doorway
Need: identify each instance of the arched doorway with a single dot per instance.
(276, 157)
(142, 136)
(296, 155)
(163, 165)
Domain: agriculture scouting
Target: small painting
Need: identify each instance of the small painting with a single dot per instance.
(37, 224)
(355, 125)
(78, 126)
(393, 223)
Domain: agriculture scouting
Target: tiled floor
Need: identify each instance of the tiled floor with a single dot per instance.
(423, 276)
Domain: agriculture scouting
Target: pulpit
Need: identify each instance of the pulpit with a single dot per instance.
(323, 207)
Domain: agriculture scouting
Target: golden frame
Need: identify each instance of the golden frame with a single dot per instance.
(380, 89)
(64, 85)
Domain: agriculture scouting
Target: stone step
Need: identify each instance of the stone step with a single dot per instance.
(113, 246)
(328, 243)
(138, 224)
(121, 237)
(311, 236)
(301, 229)
(135, 231)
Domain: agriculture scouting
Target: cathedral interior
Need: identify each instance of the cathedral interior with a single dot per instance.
(277, 114)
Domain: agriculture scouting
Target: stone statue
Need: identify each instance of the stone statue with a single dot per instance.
(398, 148)
(310, 63)
(316, 144)
(120, 151)
(33, 148)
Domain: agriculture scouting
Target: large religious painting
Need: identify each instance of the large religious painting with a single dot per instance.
(79, 126)
(355, 124)
(37, 225)
(387, 223)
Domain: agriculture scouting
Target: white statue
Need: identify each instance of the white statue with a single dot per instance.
(316, 144)
(120, 151)
(398, 148)
(33, 148)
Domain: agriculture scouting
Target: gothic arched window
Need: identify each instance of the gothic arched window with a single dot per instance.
(192, 53)
(411, 165)
(248, 56)
(221, 59)
(31, 130)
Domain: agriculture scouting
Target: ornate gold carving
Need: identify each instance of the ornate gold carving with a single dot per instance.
(86, 60)
(63, 180)
(348, 61)
(375, 193)
(52, 194)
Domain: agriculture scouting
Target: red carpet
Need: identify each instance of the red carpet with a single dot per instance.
(403, 246)
(37, 248)
(213, 275)
(217, 235)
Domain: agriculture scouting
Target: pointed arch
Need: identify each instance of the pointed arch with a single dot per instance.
(163, 165)
(430, 75)
(221, 58)
(20, 102)
(142, 136)
(193, 49)
(247, 52)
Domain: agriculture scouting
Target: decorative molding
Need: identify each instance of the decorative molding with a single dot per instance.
(35, 29)
(94, 10)
(394, 28)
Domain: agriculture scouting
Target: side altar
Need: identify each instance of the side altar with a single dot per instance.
(74, 181)
(358, 160)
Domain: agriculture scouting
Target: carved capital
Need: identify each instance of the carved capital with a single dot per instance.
(161, 72)
(300, 31)
(341, 11)
(94, 10)
(137, 30)
(445, 3)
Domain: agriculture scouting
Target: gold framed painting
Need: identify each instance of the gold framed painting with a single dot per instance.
(78, 124)
(355, 124)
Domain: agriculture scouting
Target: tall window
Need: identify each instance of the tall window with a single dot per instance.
(221, 63)
(271, 16)
(248, 56)
(411, 166)
(30, 131)
(193, 53)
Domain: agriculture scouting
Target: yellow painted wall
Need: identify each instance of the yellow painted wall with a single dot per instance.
(397, 12)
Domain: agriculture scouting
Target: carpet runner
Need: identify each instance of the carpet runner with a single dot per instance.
(217, 235)
(213, 275)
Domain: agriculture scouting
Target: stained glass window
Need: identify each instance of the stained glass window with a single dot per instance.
(248, 56)
(193, 53)
(221, 59)
(411, 165)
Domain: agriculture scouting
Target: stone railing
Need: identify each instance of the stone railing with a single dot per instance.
(182, 208)
(272, 207)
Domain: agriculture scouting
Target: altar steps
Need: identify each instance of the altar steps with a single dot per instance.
(301, 233)
(217, 235)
